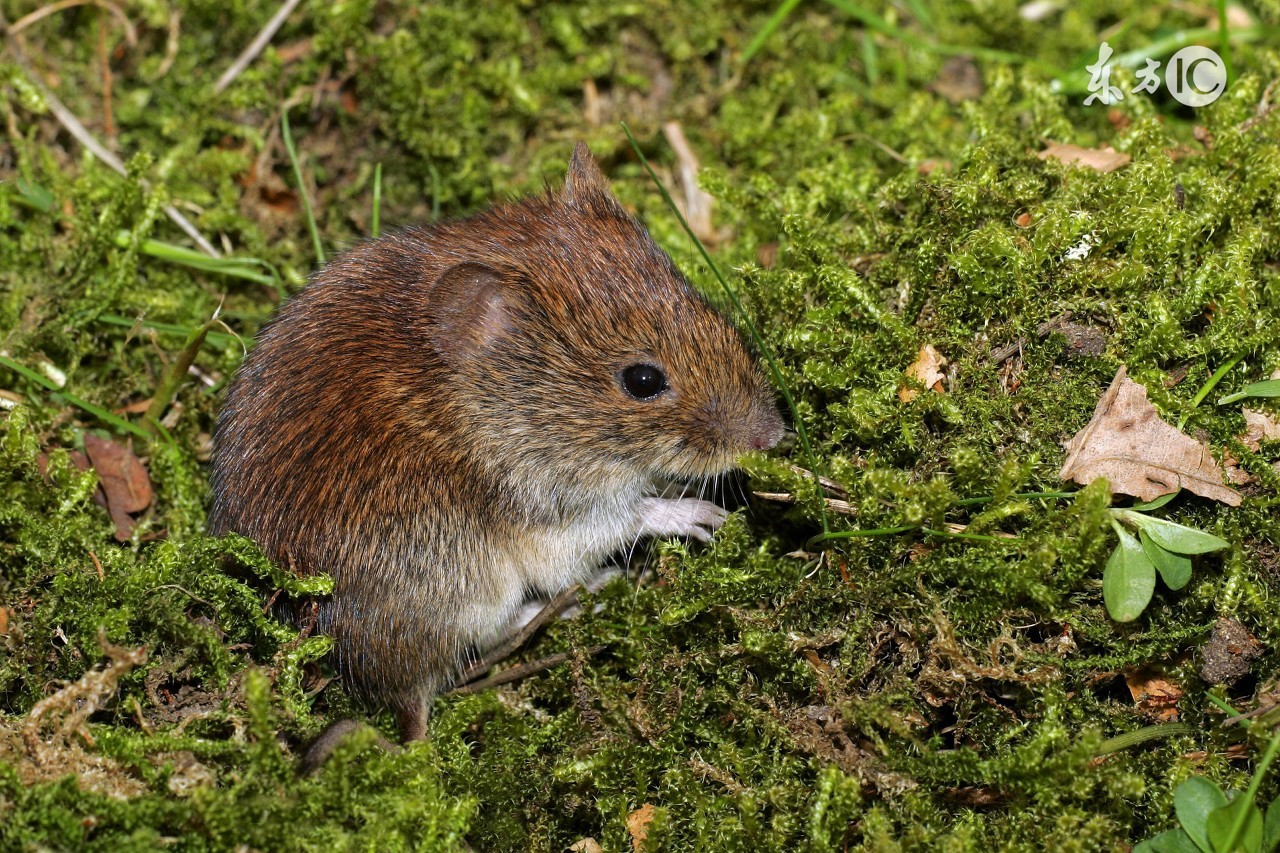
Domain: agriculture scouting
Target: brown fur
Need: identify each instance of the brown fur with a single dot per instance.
(439, 411)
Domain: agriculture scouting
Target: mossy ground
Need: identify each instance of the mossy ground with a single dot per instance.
(900, 693)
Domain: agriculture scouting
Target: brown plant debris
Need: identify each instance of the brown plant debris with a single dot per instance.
(1140, 454)
(1259, 427)
(124, 481)
(638, 825)
(50, 742)
(927, 370)
(697, 202)
(1228, 653)
(1104, 159)
(1154, 694)
(586, 845)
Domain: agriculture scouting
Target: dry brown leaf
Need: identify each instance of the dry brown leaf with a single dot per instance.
(927, 369)
(1153, 693)
(5, 613)
(124, 480)
(1259, 427)
(638, 825)
(1104, 159)
(1140, 454)
(586, 845)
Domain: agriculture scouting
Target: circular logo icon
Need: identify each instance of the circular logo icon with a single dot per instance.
(1196, 76)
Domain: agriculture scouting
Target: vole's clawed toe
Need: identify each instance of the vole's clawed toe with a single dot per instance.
(322, 747)
(692, 517)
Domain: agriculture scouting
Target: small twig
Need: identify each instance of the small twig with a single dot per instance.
(82, 135)
(255, 47)
(501, 652)
(1004, 353)
(170, 44)
(517, 673)
(697, 201)
(1264, 109)
(104, 59)
(130, 34)
(833, 504)
(828, 484)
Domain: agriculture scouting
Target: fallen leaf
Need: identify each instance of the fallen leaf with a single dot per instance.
(586, 845)
(927, 369)
(5, 613)
(1104, 159)
(638, 825)
(1153, 693)
(1140, 454)
(1259, 427)
(124, 481)
(1119, 118)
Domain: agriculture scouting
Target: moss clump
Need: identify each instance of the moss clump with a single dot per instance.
(887, 692)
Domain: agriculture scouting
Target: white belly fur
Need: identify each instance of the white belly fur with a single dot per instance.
(545, 561)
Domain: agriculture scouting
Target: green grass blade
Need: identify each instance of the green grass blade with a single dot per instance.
(769, 28)
(287, 134)
(1224, 41)
(218, 339)
(875, 22)
(97, 411)
(1264, 389)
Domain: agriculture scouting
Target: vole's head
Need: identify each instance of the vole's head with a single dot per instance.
(585, 355)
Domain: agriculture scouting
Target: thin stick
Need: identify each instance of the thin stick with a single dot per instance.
(259, 44)
(516, 673)
(501, 652)
(82, 135)
(53, 8)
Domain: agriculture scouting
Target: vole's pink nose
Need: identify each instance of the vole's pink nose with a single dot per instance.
(768, 433)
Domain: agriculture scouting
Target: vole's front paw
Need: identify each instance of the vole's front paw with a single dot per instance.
(680, 517)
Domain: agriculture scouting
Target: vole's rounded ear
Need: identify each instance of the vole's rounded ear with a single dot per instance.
(473, 307)
(584, 180)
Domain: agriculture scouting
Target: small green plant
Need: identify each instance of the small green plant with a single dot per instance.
(1159, 545)
(1215, 822)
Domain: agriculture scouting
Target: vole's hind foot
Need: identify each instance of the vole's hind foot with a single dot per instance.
(322, 747)
(680, 517)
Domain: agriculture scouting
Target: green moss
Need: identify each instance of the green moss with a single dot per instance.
(893, 693)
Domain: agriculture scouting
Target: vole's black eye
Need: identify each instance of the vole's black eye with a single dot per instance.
(643, 381)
